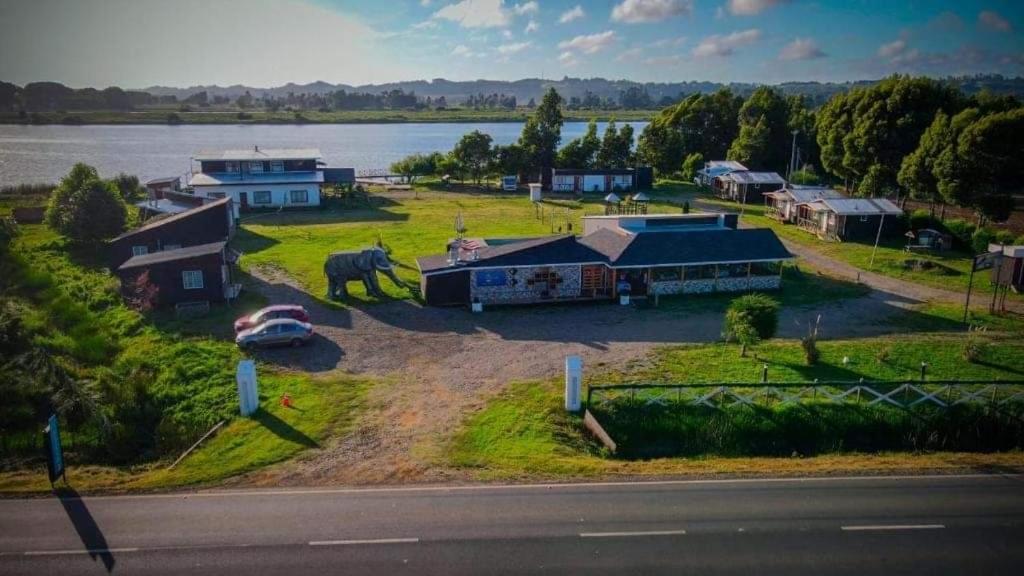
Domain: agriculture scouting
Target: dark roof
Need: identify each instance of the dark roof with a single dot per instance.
(618, 249)
(172, 255)
(339, 175)
(175, 218)
(702, 246)
(592, 171)
(561, 249)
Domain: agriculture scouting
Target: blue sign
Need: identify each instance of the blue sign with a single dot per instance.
(491, 278)
(54, 450)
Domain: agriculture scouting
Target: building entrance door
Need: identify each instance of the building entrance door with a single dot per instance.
(243, 200)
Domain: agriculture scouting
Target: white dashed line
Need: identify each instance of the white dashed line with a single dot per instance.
(361, 542)
(632, 534)
(894, 527)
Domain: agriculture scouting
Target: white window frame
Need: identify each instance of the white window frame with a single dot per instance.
(270, 196)
(231, 167)
(277, 165)
(189, 277)
(305, 197)
(256, 167)
(140, 250)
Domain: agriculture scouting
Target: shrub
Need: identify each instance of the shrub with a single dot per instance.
(740, 328)
(173, 118)
(686, 207)
(809, 344)
(981, 238)
(85, 208)
(920, 218)
(762, 310)
(691, 164)
(1004, 237)
(960, 229)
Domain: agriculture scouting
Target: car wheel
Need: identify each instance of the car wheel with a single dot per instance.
(296, 342)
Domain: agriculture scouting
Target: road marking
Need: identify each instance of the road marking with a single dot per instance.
(894, 527)
(94, 551)
(361, 542)
(548, 486)
(631, 534)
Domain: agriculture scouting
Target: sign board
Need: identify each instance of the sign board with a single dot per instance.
(496, 277)
(54, 450)
(508, 183)
(573, 383)
(986, 260)
(248, 390)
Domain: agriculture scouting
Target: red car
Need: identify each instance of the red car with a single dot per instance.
(276, 312)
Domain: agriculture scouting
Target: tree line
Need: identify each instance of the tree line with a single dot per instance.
(475, 155)
(904, 137)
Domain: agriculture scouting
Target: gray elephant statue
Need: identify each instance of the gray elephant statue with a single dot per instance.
(343, 267)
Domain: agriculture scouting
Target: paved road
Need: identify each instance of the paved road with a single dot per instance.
(926, 525)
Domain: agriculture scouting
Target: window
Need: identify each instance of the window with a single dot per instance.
(256, 167)
(705, 272)
(666, 273)
(298, 196)
(192, 279)
(765, 268)
(277, 165)
(261, 197)
(231, 167)
(732, 270)
(217, 195)
(172, 246)
(140, 250)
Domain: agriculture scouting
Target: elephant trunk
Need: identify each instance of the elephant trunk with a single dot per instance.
(390, 273)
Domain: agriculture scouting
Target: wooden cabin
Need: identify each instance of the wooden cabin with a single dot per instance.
(192, 226)
(850, 219)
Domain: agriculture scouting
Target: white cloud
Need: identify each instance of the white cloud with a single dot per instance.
(574, 13)
(751, 7)
(507, 34)
(993, 20)
(636, 11)
(589, 43)
(425, 25)
(891, 49)
(462, 50)
(513, 48)
(424, 2)
(674, 42)
(801, 49)
(531, 26)
(527, 8)
(568, 59)
(719, 45)
(476, 14)
(629, 55)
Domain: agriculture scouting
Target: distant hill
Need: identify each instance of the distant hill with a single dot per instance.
(523, 90)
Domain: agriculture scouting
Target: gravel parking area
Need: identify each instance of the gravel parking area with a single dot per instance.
(438, 364)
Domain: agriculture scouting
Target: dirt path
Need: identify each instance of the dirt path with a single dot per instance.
(438, 364)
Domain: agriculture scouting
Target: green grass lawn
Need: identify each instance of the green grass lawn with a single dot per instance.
(299, 242)
(161, 376)
(951, 270)
(526, 432)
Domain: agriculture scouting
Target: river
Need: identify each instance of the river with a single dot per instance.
(45, 153)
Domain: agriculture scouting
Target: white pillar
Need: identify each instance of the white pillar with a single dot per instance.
(573, 383)
(248, 390)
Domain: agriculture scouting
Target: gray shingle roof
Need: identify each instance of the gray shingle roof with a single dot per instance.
(172, 255)
(175, 218)
(259, 154)
(549, 250)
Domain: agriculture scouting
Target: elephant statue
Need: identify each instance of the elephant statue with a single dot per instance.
(343, 267)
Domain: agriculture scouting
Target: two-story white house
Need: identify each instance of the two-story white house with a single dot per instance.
(259, 178)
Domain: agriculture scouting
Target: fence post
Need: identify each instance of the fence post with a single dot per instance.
(924, 368)
(764, 374)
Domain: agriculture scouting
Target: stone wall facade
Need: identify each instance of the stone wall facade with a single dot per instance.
(721, 285)
(520, 290)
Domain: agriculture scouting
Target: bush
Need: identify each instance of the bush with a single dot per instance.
(691, 164)
(1004, 237)
(686, 207)
(1019, 241)
(809, 344)
(762, 310)
(85, 208)
(981, 238)
(961, 230)
(920, 219)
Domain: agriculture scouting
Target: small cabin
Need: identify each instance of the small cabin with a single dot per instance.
(850, 219)
(781, 204)
(745, 186)
(194, 225)
(1010, 271)
(195, 274)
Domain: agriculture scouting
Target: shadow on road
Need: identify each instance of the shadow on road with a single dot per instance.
(284, 430)
(85, 525)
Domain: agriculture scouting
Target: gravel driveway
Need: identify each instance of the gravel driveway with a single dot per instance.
(438, 364)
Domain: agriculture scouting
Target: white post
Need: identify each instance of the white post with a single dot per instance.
(248, 389)
(878, 237)
(573, 383)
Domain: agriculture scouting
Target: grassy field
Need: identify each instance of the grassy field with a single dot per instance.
(159, 384)
(525, 431)
(222, 116)
(949, 271)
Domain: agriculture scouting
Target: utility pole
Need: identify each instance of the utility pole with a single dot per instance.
(792, 157)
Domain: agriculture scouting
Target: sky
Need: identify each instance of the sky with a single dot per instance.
(263, 43)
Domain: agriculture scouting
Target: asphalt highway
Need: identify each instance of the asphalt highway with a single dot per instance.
(909, 525)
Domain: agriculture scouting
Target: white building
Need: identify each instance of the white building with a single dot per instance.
(706, 175)
(259, 178)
